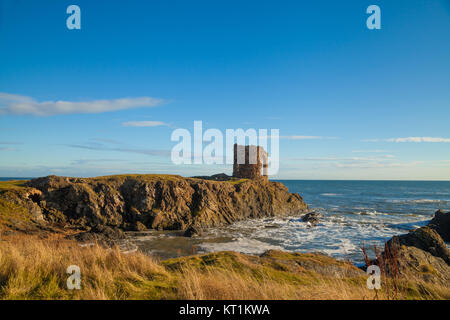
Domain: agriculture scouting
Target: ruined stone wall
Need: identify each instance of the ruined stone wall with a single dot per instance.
(249, 162)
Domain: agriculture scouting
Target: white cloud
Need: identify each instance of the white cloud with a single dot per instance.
(305, 137)
(144, 124)
(350, 159)
(412, 139)
(420, 139)
(369, 151)
(105, 145)
(20, 105)
(371, 165)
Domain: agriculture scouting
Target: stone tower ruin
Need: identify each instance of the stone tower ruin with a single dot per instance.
(250, 162)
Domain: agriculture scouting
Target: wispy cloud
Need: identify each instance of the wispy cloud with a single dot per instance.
(103, 140)
(350, 159)
(144, 124)
(306, 137)
(7, 145)
(93, 161)
(21, 105)
(412, 139)
(370, 151)
(373, 165)
(120, 148)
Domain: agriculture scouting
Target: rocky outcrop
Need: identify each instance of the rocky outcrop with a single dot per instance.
(312, 218)
(425, 239)
(162, 202)
(420, 254)
(441, 224)
(418, 264)
(193, 231)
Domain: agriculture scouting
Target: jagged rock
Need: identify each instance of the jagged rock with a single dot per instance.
(162, 202)
(418, 264)
(420, 255)
(441, 224)
(137, 226)
(29, 199)
(312, 218)
(108, 232)
(193, 231)
(425, 239)
(101, 234)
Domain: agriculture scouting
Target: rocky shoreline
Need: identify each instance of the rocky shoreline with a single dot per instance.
(101, 209)
(104, 207)
(421, 254)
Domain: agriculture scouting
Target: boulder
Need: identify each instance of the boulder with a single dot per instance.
(109, 232)
(312, 218)
(426, 239)
(417, 264)
(420, 255)
(137, 226)
(441, 224)
(193, 231)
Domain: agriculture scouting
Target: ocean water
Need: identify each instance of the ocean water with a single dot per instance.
(355, 213)
(13, 178)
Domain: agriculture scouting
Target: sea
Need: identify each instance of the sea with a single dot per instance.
(355, 214)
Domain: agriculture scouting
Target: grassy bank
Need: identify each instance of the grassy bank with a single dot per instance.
(36, 269)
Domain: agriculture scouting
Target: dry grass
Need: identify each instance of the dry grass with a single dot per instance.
(36, 269)
(228, 285)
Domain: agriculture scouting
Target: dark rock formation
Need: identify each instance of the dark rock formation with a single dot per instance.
(425, 239)
(101, 234)
(193, 231)
(417, 264)
(137, 226)
(162, 202)
(420, 254)
(441, 224)
(312, 218)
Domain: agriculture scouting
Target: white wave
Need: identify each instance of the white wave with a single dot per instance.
(395, 201)
(410, 225)
(427, 201)
(369, 213)
(330, 194)
(344, 248)
(416, 200)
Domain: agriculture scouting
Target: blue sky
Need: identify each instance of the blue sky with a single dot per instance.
(350, 103)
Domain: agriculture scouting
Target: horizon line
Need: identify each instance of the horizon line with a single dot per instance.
(274, 179)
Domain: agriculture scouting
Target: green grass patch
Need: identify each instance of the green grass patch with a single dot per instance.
(12, 185)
